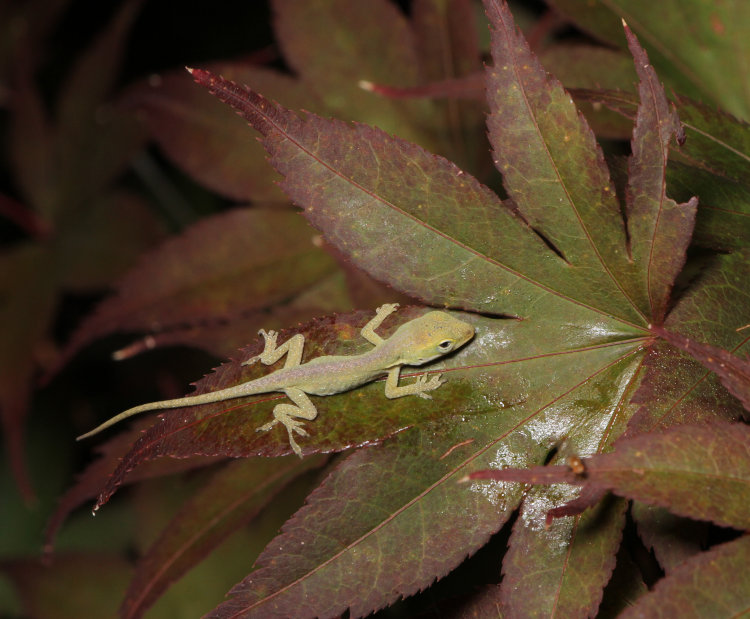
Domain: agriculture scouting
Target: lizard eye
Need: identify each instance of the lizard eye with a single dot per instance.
(445, 345)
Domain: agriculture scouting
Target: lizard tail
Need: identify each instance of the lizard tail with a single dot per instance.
(193, 400)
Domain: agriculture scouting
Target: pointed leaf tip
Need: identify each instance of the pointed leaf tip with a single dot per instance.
(263, 115)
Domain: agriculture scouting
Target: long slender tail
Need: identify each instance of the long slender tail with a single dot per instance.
(237, 391)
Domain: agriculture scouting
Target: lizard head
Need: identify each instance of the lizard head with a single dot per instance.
(431, 336)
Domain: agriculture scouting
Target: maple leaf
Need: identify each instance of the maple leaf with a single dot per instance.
(675, 40)
(211, 274)
(567, 287)
(181, 117)
(659, 230)
(572, 294)
(708, 571)
(698, 471)
(205, 139)
(711, 162)
(235, 494)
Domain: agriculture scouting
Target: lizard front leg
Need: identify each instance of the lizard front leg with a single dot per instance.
(292, 348)
(285, 414)
(419, 387)
(368, 331)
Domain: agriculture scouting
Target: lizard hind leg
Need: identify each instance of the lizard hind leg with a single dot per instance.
(292, 348)
(289, 414)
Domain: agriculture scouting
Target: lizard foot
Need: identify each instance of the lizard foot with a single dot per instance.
(290, 424)
(291, 427)
(269, 337)
(294, 426)
(423, 384)
(387, 308)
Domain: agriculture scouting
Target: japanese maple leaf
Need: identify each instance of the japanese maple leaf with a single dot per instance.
(562, 284)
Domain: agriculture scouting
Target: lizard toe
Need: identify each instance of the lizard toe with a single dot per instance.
(266, 426)
(298, 429)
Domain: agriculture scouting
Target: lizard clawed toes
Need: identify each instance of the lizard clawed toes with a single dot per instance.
(291, 427)
(424, 384)
(267, 426)
(295, 426)
(387, 308)
(269, 336)
(290, 424)
(270, 342)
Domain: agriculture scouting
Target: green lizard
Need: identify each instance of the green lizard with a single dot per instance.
(416, 342)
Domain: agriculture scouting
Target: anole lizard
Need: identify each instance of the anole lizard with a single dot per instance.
(416, 342)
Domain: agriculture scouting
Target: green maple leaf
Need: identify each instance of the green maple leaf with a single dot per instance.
(699, 49)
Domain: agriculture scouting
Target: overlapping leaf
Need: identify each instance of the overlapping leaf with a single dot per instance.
(733, 371)
(205, 139)
(698, 588)
(221, 268)
(231, 498)
(701, 472)
(587, 67)
(334, 44)
(678, 389)
(625, 586)
(714, 142)
(713, 162)
(447, 45)
(700, 48)
(716, 166)
(222, 338)
(90, 481)
(673, 539)
(446, 38)
(569, 562)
